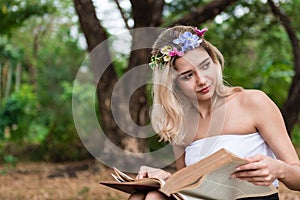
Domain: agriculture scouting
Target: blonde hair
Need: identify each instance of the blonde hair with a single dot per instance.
(168, 111)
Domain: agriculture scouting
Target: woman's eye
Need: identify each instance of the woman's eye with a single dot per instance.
(205, 66)
(187, 76)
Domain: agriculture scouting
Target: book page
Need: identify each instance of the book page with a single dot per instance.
(190, 175)
(220, 185)
(121, 176)
(125, 183)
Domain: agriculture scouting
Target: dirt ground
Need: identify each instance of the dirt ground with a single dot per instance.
(76, 181)
(53, 181)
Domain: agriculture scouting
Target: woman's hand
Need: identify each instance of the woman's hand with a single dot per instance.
(261, 170)
(150, 172)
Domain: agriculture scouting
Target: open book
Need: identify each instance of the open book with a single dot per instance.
(209, 178)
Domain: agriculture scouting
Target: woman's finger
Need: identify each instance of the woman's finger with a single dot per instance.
(142, 174)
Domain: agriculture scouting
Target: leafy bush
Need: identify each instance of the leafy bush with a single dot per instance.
(62, 142)
(18, 111)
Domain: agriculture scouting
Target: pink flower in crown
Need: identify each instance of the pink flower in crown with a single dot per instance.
(200, 32)
(175, 52)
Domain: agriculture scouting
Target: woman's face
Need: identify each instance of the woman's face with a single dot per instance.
(197, 75)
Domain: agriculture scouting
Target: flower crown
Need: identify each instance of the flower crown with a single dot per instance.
(186, 41)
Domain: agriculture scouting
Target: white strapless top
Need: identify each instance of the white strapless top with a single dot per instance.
(242, 145)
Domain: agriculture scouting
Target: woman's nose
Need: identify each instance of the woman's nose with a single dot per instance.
(201, 80)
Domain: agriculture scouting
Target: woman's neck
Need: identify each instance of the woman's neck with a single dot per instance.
(204, 108)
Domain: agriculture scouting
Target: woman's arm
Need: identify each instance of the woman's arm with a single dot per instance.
(179, 156)
(263, 170)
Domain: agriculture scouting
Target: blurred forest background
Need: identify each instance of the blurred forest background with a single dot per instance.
(44, 42)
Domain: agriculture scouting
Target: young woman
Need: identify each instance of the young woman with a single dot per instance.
(199, 115)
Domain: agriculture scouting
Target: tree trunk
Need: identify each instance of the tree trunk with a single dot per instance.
(106, 78)
(8, 81)
(291, 107)
(145, 14)
(18, 76)
(0, 87)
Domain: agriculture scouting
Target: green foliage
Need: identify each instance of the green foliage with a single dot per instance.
(9, 51)
(155, 144)
(62, 142)
(84, 191)
(59, 64)
(120, 65)
(176, 9)
(9, 162)
(83, 94)
(47, 45)
(17, 110)
(275, 79)
(13, 13)
(296, 135)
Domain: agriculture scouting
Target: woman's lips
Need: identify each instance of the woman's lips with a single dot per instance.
(204, 90)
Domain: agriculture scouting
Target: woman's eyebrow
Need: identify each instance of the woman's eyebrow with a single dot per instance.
(183, 73)
(203, 61)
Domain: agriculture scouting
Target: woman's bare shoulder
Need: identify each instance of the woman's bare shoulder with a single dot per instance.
(253, 97)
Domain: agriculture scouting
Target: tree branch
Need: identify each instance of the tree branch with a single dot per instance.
(122, 14)
(290, 31)
(204, 13)
(95, 34)
(90, 26)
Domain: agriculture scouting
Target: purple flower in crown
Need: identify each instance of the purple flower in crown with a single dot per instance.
(187, 41)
